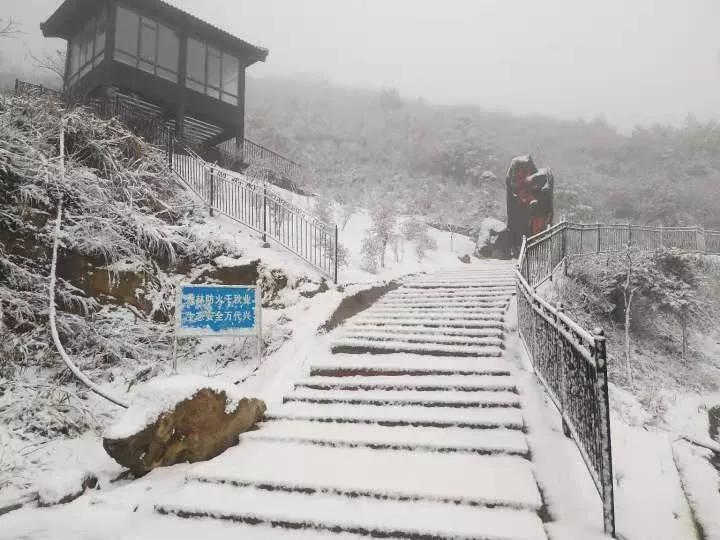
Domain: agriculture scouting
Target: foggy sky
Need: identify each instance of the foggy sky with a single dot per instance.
(629, 61)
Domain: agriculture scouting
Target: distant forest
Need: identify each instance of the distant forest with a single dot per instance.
(449, 162)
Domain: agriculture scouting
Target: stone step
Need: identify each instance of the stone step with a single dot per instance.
(359, 345)
(441, 303)
(253, 511)
(422, 329)
(345, 365)
(394, 415)
(381, 474)
(455, 294)
(405, 397)
(456, 285)
(490, 321)
(409, 337)
(427, 439)
(467, 383)
(460, 312)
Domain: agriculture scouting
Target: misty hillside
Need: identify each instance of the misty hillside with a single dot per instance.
(376, 143)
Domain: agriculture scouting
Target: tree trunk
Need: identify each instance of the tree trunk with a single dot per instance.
(628, 304)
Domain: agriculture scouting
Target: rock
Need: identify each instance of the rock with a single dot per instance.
(465, 259)
(196, 429)
(493, 240)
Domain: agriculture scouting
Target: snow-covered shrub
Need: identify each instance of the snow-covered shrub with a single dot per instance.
(121, 207)
(416, 230)
(380, 234)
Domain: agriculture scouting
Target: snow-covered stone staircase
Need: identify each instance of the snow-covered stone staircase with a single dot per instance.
(457, 313)
(422, 439)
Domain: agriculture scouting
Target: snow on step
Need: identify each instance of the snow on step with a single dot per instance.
(505, 441)
(405, 397)
(401, 415)
(470, 383)
(362, 516)
(460, 478)
(463, 313)
(459, 294)
(380, 334)
(457, 285)
(495, 321)
(448, 303)
(353, 343)
(408, 364)
(429, 330)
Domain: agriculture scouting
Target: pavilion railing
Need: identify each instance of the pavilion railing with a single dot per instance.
(249, 201)
(255, 204)
(570, 361)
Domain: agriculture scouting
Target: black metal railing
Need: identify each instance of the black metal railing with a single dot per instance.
(255, 204)
(570, 361)
(257, 153)
(572, 365)
(22, 87)
(548, 249)
(249, 201)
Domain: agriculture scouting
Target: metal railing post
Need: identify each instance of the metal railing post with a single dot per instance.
(606, 475)
(662, 237)
(335, 280)
(700, 238)
(563, 379)
(264, 220)
(212, 191)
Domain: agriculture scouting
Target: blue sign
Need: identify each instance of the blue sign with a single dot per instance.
(207, 310)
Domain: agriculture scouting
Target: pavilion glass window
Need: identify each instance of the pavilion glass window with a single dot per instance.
(87, 48)
(147, 45)
(212, 72)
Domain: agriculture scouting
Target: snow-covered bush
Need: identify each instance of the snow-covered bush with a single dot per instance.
(416, 230)
(121, 208)
(380, 234)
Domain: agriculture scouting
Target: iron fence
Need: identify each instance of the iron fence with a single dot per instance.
(545, 251)
(256, 205)
(30, 89)
(569, 361)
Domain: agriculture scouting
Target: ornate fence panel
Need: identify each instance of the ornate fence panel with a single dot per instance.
(568, 360)
(256, 205)
(712, 242)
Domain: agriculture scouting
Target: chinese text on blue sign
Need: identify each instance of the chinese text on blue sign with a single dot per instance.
(218, 310)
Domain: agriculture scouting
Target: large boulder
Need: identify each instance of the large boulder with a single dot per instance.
(177, 420)
(493, 240)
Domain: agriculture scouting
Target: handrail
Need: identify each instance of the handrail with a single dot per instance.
(252, 203)
(562, 352)
(570, 362)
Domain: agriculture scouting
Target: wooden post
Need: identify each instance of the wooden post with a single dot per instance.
(598, 237)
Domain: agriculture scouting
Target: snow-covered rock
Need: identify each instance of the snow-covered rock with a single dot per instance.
(492, 239)
(180, 419)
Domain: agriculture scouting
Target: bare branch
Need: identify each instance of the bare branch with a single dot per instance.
(54, 62)
(8, 27)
